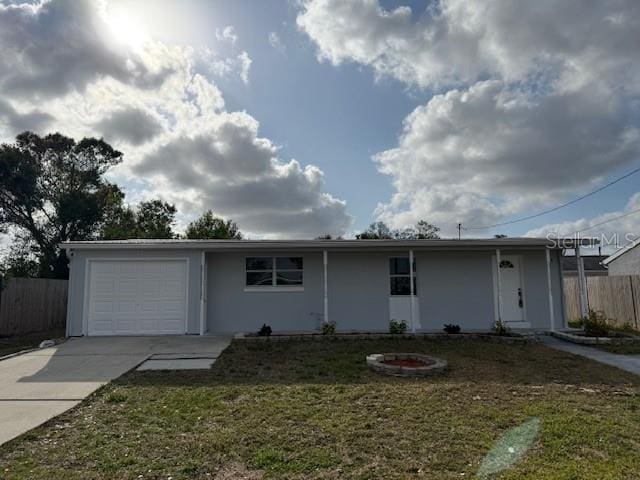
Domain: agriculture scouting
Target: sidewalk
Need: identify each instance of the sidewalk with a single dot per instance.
(629, 363)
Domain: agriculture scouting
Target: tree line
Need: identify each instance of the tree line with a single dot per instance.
(53, 189)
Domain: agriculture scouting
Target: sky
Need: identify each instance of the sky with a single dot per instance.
(301, 118)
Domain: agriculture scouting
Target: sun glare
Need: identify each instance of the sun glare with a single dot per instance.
(125, 29)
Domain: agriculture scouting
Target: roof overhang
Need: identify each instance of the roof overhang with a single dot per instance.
(439, 244)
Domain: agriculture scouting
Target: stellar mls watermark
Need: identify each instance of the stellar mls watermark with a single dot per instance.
(615, 240)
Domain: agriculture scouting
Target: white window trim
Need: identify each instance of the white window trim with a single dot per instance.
(273, 287)
(415, 278)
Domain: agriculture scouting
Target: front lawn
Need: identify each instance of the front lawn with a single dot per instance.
(627, 349)
(310, 409)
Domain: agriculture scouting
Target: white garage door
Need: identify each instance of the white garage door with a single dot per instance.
(137, 297)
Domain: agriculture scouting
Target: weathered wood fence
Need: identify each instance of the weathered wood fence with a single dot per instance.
(617, 296)
(32, 305)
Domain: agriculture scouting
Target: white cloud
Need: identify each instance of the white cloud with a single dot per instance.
(614, 229)
(176, 131)
(227, 34)
(224, 66)
(245, 66)
(489, 151)
(276, 42)
(538, 101)
(458, 41)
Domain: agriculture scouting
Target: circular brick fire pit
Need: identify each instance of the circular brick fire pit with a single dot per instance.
(405, 364)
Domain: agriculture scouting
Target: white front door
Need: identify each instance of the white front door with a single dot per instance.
(513, 308)
(137, 297)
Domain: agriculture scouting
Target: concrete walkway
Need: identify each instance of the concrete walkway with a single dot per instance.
(629, 363)
(37, 386)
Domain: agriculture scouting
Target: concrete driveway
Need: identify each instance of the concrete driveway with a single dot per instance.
(39, 385)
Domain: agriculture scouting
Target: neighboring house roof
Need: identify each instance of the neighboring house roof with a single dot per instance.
(592, 263)
(448, 244)
(622, 251)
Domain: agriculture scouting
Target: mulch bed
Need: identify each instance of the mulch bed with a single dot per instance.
(408, 362)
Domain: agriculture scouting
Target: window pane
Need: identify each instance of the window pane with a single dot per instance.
(289, 278)
(259, 263)
(259, 278)
(400, 286)
(289, 263)
(399, 266)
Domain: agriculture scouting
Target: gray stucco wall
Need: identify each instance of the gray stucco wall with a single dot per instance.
(75, 303)
(452, 287)
(232, 309)
(626, 264)
(455, 287)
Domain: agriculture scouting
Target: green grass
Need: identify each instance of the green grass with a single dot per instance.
(628, 349)
(312, 410)
(9, 345)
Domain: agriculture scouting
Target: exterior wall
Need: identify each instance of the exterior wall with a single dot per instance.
(452, 287)
(359, 290)
(626, 264)
(455, 287)
(77, 279)
(232, 309)
(537, 292)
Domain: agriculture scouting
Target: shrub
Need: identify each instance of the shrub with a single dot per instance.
(329, 328)
(264, 331)
(575, 323)
(451, 328)
(397, 327)
(500, 328)
(595, 324)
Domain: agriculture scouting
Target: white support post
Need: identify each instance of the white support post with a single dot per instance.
(411, 307)
(552, 318)
(582, 283)
(203, 291)
(499, 284)
(325, 261)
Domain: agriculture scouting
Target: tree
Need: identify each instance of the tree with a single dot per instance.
(20, 260)
(328, 236)
(376, 231)
(380, 230)
(152, 219)
(426, 231)
(210, 226)
(52, 190)
(155, 219)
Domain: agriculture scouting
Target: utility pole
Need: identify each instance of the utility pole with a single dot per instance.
(459, 231)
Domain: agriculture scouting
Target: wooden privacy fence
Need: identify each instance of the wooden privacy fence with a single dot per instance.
(32, 305)
(617, 296)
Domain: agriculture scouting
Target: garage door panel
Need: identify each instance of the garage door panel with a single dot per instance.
(137, 297)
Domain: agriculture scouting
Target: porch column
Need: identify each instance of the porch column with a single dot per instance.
(582, 283)
(203, 292)
(552, 318)
(412, 296)
(325, 261)
(499, 284)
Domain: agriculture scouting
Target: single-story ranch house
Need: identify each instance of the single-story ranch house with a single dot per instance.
(160, 287)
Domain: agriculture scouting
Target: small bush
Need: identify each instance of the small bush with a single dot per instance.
(264, 331)
(595, 324)
(575, 323)
(500, 328)
(329, 328)
(451, 328)
(397, 327)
